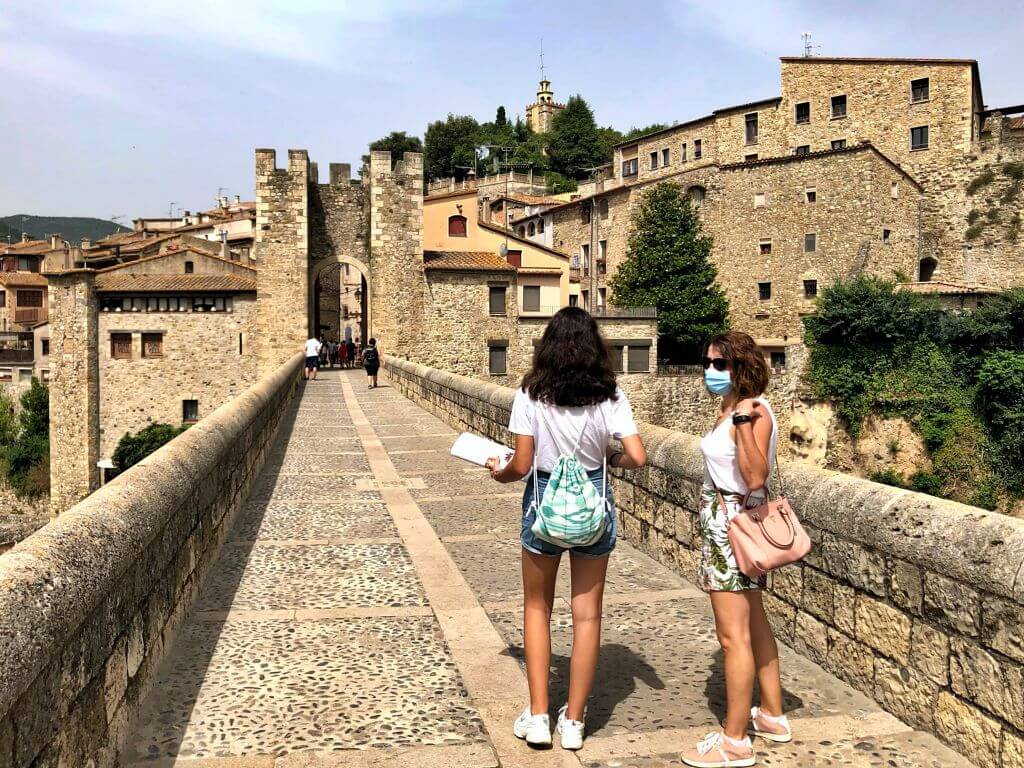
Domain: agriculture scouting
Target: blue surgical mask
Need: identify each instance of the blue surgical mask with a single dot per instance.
(717, 382)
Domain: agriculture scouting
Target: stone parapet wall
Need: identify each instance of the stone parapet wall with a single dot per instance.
(90, 603)
(916, 601)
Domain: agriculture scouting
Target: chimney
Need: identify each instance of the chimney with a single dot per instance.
(238, 199)
(55, 242)
(86, 243)
(24, 237)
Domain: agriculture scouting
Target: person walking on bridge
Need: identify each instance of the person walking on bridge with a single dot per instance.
(564, 416)
(312, 357)
(739, 453)
(371, 362)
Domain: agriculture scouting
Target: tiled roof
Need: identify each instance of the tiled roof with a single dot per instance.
(28, 247)
(466, 261)
(539, 270)
(529, 199)
(23, 279)
(448, 193)
(125, 282)
(938, 287)
(129, 266)
(513, 236)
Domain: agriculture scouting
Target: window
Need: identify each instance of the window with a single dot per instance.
(574, 300)
(654, 161)
(515, 258)
(531, 298)
(3, 298)
(810, 242)
(532, 229)
(585, 296)
(629, 167)
(6, 374)
(777, 361)
(496, 299)
(838, 106)
(638, 358)
(811, 195)
(540, 226)
(30, 298)
(750, 158)
(189, 267)
(121, 346)
(209, 304)
(24, 375)
(765, 247)
(682, 152)
(45, 347)
(764, 291)
(521, 231)
(585, 257)
(919, 90)
(497, 358)
(810, 289)
(190, 411)
(602, 207)
(759, 199)
(696, 195)
(456, 226)
(750, 128)
(894, 190)
(803, 149)
(665, 157)
(926, 269)
(919, 137)
(585, 213)
(602, 294)
(152, 345)
(617, 351)
(886, 235)
(696, 149)
(602, 251)
(241, 341)
(803, 112)
(839, 144)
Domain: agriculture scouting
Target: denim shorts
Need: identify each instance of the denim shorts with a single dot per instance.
(531, 543)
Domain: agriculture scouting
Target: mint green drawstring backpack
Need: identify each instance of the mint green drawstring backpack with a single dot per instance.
(572, 513)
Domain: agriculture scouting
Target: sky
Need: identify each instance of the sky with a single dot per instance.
(123, 108)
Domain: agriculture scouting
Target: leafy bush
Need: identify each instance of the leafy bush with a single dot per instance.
(973, 216)
(888, 476)
(1014, 170)
(27, 462)
(131, 449)
(974, 231)
(25, 450)
(923, 481)
(557, 183)
(1011, 193)
(984, 178)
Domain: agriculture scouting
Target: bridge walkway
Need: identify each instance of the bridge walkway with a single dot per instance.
(366, 612)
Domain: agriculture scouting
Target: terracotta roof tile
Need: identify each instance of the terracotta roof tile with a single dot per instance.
(938, 287)
(125, 282)
(466, 261)
(26, 279)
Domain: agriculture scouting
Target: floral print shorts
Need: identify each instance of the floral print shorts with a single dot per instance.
(718, 569)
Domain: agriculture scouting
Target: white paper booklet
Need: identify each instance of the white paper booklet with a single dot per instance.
(477, 449)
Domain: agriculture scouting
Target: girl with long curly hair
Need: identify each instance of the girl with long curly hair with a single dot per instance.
(568, 404)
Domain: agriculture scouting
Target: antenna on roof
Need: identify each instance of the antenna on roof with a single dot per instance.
(808, 45)
(170, 210)
(542, 58)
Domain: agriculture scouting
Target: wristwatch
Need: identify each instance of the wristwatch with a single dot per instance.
(741, 418)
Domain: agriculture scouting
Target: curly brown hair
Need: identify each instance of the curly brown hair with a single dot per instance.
(571, 364)
(750, 373)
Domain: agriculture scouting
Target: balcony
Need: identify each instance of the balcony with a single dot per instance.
(30, 315)
(16, 348)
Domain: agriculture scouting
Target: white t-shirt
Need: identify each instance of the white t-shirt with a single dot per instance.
(312, 348)
(558, 428)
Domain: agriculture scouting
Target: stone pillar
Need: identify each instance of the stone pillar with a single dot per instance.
(396, 252)
(283, 299)
(74, 388)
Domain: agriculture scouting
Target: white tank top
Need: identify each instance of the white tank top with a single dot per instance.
(719, 449)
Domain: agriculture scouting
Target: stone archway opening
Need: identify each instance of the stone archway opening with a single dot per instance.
(341, 306)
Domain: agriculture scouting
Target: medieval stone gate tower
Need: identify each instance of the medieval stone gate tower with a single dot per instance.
(303, 227)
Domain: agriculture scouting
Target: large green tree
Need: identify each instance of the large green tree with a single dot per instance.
(450, 147)
(668, 265)
(575, 143)
(397, 143)
(131, 449)
(26, 459)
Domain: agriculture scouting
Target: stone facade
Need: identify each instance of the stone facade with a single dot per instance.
(74, 388)
(540, 114)
(206, 357)
(932, 633)
(284, 311)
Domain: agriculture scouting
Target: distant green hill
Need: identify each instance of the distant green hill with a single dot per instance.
(71, 228)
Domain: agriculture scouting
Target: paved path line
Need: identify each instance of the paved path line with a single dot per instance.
(328, 541)
(314, 614)
(492, 676)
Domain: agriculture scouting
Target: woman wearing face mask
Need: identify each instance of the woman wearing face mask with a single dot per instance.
(739, 453)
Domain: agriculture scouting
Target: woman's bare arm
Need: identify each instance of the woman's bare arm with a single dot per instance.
(520, 465)
(633, 454)
(752, 441)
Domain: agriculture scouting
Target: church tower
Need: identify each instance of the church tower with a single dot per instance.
(540, 114)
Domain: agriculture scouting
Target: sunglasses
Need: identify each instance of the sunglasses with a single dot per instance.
(720, 363)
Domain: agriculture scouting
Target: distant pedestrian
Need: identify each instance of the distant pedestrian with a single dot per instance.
(343, 354)
(334, 353)
(323, 352)
(351, 345)
(312, 357)
(371, 362)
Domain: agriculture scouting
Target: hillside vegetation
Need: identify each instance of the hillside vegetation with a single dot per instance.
(71, 228)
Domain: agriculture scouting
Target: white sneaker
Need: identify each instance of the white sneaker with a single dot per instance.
(536, 729)
(571, 730)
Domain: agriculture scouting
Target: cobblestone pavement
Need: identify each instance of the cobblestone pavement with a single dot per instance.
(366, 611)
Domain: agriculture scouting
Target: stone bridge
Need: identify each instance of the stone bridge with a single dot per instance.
(306, 578)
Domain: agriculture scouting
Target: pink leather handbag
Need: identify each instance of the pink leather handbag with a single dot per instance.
(767, 536)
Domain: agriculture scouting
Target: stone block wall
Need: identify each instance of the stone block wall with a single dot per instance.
(89, 604)
(916, 601)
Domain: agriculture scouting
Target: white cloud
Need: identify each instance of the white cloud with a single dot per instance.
(54, 69)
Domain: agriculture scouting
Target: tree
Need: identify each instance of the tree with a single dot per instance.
(632, 133)
(397, 143)
(131, 449)
(26, 460)
(499, 119)
(575, 144)
(668, 265)
(448, 144)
